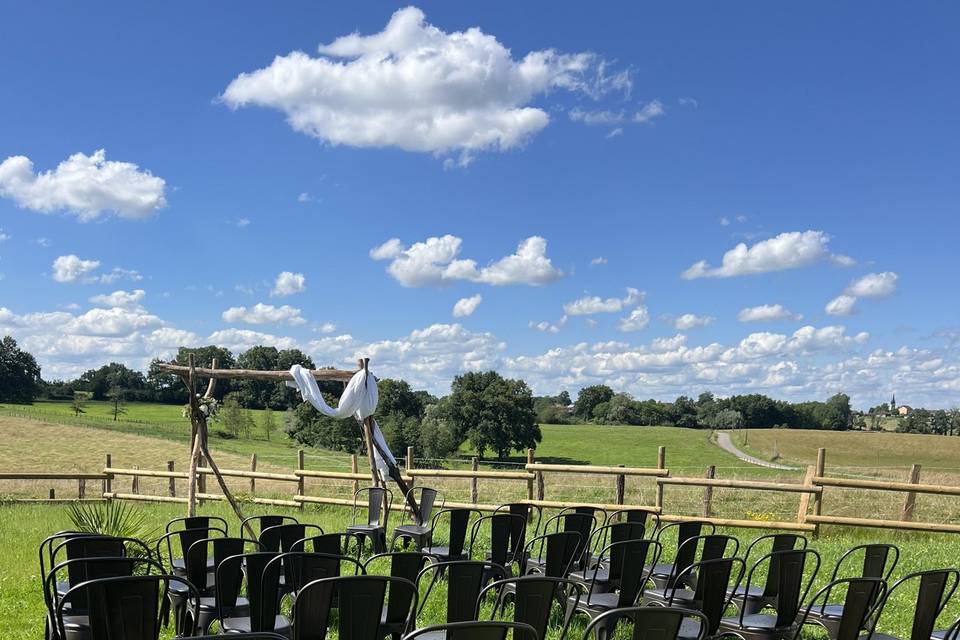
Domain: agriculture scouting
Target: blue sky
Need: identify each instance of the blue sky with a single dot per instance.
(585, 160)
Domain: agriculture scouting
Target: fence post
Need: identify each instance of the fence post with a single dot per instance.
(81, 489)
(621, 486)
(53, 493)
(172, 488)
(108, 481)
(474, 489)
(530, 460)
(708, 491)
(201, 478)
(661, 464)
(818, 497)
(805, 497)
(135, 481)
(409, 464)
(910, 500)
(354, 468)
(253, 467)
(540, 490)
(301, 481)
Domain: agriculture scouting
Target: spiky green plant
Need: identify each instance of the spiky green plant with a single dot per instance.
(112, 518)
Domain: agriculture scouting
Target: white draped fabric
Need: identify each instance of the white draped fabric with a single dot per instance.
(359, 399)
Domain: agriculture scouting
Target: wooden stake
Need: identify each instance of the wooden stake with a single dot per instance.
(301, 483)
(708, 492)
(135, 481)
(621, 487)
(661, 464)
(172, 488)
(354, 468)
(474, 489)
(530, 460)
(818, 497)
(909, 502)
(192, 479)
(108, 483)
(81, 488)
(253, 467)
(805, 497)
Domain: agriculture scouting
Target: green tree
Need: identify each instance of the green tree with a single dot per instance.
(269, 422)
(163, 387)
(726, 419)
(590, 397)
(493, 413)
(204, 357)
(19, 373)
(79, 403)
(236, 420)
(118, 402)
(396, 396)
(99, 382)
(438, 435)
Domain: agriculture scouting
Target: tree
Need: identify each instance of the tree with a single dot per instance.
(204, 357)
(118, 402)
(438, 436)
(269, 422)
(236, 420)
(79, 403)
(837, 414)
(100, 381)
(727, 419)
(19, 373)
(590, 397)
(396, 396)
(163, 387)
(493, 413)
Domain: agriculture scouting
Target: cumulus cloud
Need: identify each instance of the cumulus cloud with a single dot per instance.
(549, 327)
(327, 328)
(85, 186)
(288, 283)
(646, 113)
(842, 305)
(72, 268)
(128, 299)
(789, 250)
(238, 340)
(638, 320)
(261, 313)
(689, 321)
(435, 262)
(589, 305)
(466, 306)
(874, 285)
(767, 313)
(418, 88)
(598, 260)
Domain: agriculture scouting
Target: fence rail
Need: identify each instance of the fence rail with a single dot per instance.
(537, 478)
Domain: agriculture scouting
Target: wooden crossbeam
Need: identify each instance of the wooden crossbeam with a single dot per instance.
(337, 375)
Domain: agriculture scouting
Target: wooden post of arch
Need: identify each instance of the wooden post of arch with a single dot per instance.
(367, 423)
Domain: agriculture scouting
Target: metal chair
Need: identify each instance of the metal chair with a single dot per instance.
(792, 590)
(419, 530)
(649, 623)
(264, 522)
(465, 579)
(710, 596)
(262, 593)
(757, 597)
(598, 573)
(582, 523)
(519, 533)
(405, 565)
(455, 546)
(855, 612)
(359, 598)
(626, 578)
(244, 636)
(332, 543)
(501, 529)
(198, 560)
(302, 567)
(197, 522)
(935, 587)
(533, 598)
(639, 516)
(475, 630)
(953, 633)
(685, 555)
(680, 584)
(379, 503)
(554, 554)
(879, 561)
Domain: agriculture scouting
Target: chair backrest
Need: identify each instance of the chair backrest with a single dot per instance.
(378, 503)
(879, 561)
(465, 578)
(197, 522)
(501, 527)
(519, 532)
(616, 532)
(859, 602)
(935, 587)
(477, 630)
(283, 537)
(639, 516)
(714, 588)
(693, 550)
(563, 549)
(792, 586)
(265, 522)
(178, 541)
(533, 598)
(776, 542)
(625, 568)
(47, 546)
(262, 578)
(84, 569)
(684, 531)
(576, 519)
(428, 498)
(195, 560)
(459, 526)
(95, 546)
(359, 599)
(303, 567)
(333, 543)
(405, 565)
(649, 623)
(127, 607)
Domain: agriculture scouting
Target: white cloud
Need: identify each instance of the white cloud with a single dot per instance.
(874, 285)
(842, 305)
(418, 88)
(86, 186)
(466, 306)
(3, 236)
(264, 314)
(288, 283)
(238, 340)
(606, 117)
(638, 320)
(327, 328)
(789, 250)
(243, 222)
(589, 305)
(767, 313)
(598, 260)
(43, 242)
(118, 273)
(614, 133)
(549, 327)
(71, 268)
(128, 299)
(304, 197)
(649, 111)
(435, 262)
(724, 221)
(689, 321)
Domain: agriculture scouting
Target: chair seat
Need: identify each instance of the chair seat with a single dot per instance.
(831, 611)
(209, 603)
(411, 529)
(364, 528)
(753, 592)
(443, 553)
(881, 636)
(599, 601)
(76, 627)
(681, 597)
(603, 575)
(758, 621)
(939, 635)
(689, 629)
(281, 625)
(179, 566)
(660, 569)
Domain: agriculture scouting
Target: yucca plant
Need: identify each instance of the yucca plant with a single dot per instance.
(112, 518)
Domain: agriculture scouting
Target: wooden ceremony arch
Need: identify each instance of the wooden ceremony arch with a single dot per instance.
(198, 424)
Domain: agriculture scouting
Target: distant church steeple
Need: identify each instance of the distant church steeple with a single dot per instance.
(893, 403)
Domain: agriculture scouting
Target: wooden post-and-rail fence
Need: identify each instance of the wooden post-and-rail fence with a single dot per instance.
(533, 480)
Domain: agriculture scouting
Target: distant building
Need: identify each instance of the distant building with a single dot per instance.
(904, 410)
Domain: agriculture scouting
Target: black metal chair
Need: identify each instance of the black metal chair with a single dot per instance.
(260, 523)
(684, 555)
(359, 598)
(879, 561)
(197, 522)
(598, 574)
(459, 525)
(572, 521)
(639, 516)
(95, 546)
(649, 623)
(405, 565)
(302, 567)
(128, 607)
(533, 599)
(244, 636)
(262, 594)
(176, 543)
(75, 610)
(758, 597)
(333, 543)
(626, 577)
(935, 587)
(792, 589)
(283, 537)
(47, 546)
(465, 579)
(476, 630)
(532, 514)
(710, 596)
(860, 600)
(554, 554)
(501, 529)
(379, 503)
(953, 633)
(419, 530)
(680, 584)
(199, 557)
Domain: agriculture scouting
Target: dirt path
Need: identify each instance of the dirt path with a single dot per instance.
(725, 443)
